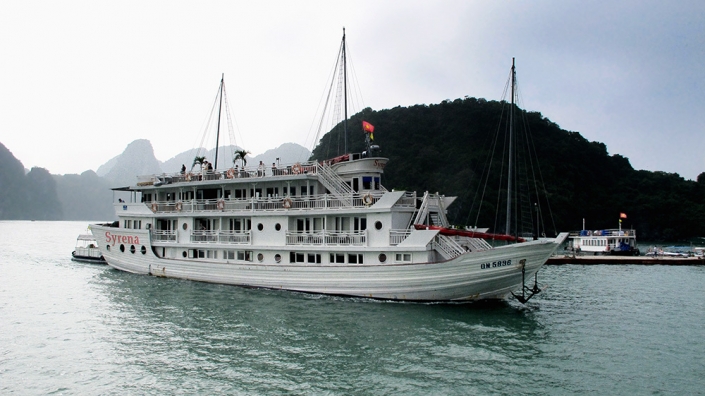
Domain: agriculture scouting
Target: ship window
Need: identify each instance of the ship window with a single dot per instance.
(295, 257)
(107, 247)
(382, 257)
(314, 258)
(278, 258)
(403, 257)
(378, 225)
(260, 226)
(377, 183)
(337, 258)
(229, 255)
(355, 258)
(122, 248)
(245, 255)
(278, 227)
(260, 257)
(184, 226)
(366, 183)
(184, 254)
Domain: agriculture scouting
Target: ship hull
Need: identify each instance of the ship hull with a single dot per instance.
(491, 274)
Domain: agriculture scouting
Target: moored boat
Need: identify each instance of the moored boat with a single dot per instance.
(87, 250)
(601, 242)
(327, 227)
(616, 242)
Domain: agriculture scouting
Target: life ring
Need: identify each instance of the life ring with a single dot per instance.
(286, 203)
(367, 199)
(231, 173)
(296, 168)
(154, 207)
(221, 204)
(179, 206)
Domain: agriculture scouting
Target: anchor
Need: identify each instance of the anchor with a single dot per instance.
(531, 291)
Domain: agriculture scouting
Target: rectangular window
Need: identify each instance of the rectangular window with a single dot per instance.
(367, 183)
(314, 258)
(229, 254)
(403, 257)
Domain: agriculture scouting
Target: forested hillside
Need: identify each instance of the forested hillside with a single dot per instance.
(444, 147)
(30, 196)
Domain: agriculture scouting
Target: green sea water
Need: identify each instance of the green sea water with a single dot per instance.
(72, 328)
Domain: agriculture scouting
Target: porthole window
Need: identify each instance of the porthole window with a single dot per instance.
(132, 249)
(382, 257)
(122, 248)
(184, 254)
(260, 257)
(184, 226)
(278, 227)
(107, 247)
(260, 226)
(278, 258)
(143, 250)
(378, 225)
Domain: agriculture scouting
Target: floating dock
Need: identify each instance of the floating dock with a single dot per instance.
(625, 260)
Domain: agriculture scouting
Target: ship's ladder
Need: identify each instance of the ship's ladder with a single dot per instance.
(448, 247)
(432, 211)
(335, 184)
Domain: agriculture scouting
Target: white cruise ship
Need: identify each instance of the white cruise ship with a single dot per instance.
(326, 227)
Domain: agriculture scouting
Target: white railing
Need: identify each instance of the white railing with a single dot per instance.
(228, 173)
(204, 236)
(236, 237)
(447, 247)
(397, 236)
(325, 237)
(163, 236)
(321, 201)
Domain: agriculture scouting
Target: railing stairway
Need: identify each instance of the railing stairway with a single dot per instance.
(431, 208)
(335, 184)
(447, 247)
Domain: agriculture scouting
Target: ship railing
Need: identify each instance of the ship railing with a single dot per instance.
(447, 247)
(204, 236)
(236, 237)
(398, 236)
(254, 171)
(474, 244)
(327, 237)
(270, 203)
(164, 235)
(88, 252)
(408, 200)
(606, 232)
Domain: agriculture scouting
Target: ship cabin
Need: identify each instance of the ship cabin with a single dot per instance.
(335, 211)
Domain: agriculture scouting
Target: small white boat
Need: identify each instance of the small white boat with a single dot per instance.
(603, 242)
(87, 250)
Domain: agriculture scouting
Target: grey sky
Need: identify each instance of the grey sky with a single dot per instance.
(82, 79)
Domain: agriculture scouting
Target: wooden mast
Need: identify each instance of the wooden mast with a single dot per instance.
(345, 95)
(511, 156)
(220, 107)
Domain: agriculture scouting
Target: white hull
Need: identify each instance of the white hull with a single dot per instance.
(469, 276)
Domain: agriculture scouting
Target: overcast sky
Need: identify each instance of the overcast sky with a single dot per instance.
(80, 80)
